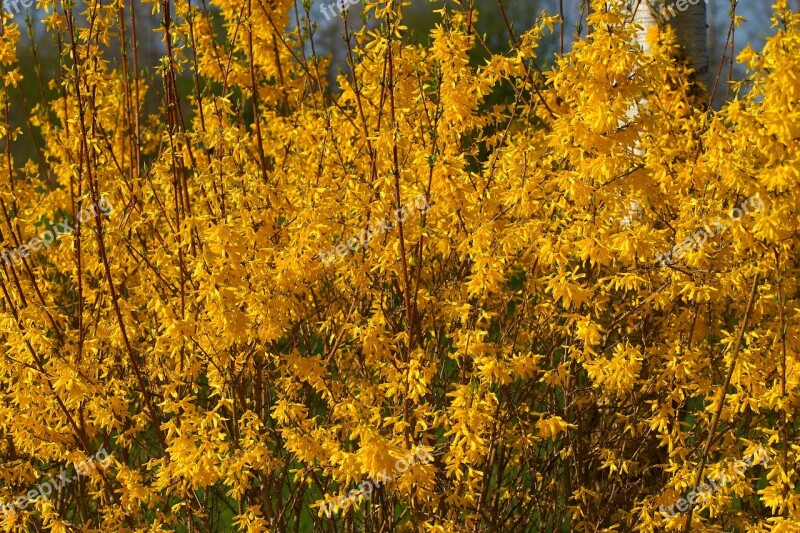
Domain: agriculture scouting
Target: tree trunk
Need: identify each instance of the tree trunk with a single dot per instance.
(687, 18)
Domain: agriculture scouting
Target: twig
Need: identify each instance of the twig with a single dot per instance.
(715, 420)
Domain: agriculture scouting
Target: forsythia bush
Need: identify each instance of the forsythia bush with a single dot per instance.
(520, 326)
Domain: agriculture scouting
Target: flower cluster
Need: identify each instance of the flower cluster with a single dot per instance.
(366, 488)
(55, 232)
(361, 240)
(699, 237)
(57, 482)
(701, 493)
(518, 328)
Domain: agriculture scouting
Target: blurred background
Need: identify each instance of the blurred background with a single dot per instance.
(39, 49)
(522, 14)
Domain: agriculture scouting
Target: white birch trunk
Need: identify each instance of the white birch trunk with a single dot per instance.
(687, 18)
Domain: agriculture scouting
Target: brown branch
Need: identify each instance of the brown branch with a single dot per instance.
(715, 420)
